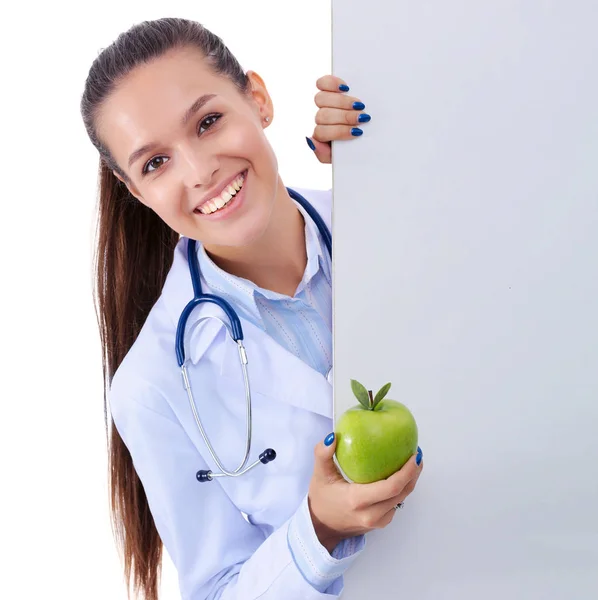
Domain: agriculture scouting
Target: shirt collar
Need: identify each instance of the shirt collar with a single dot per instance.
(243, 292)
(317, 254)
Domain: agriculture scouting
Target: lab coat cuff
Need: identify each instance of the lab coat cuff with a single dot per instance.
(320, 569)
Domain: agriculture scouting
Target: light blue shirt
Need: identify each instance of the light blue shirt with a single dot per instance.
(301, 324)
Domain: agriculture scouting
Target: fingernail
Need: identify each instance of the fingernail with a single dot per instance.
(364, 118)
(356, 131)
(418, 458)
(343, 88)
(358, 105)
(329, 439)
(310, 143)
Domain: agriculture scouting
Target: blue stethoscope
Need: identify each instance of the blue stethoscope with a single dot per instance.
(236, 332)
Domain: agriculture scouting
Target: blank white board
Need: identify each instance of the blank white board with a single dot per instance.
(466, 273)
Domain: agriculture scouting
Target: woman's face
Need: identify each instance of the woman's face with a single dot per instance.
(187, 139)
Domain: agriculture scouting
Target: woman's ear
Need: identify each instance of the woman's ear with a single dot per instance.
(132, 189)
(260, 96)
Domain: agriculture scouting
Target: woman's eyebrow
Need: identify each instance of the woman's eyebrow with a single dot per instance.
(196, 106)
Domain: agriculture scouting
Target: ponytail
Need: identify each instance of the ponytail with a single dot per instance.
(134, 253)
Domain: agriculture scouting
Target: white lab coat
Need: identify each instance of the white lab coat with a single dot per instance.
(216, 551)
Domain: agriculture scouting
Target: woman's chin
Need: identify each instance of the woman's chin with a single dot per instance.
(237, 238)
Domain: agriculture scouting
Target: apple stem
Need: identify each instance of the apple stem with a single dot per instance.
(371, 399)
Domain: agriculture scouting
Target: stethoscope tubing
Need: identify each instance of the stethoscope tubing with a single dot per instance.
(236, 332)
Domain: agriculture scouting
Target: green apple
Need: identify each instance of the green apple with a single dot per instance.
(375, 438)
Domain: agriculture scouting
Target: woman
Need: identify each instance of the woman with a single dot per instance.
(179, 127)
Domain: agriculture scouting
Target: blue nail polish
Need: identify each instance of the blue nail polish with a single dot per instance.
(310, 143)
(358, 105)
(364, 118)
(356, 131)
(418, 458)
(329, 439)
(343, 88)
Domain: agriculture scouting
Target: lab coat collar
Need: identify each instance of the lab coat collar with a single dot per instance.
(273, 371)
(276, 373)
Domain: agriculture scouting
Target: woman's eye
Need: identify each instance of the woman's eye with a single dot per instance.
(208, 122)
(152, 161)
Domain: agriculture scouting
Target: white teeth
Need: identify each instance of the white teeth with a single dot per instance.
(225, 197)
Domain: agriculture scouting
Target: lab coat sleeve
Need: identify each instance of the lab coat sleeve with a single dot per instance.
(217, 553)
(322, 570)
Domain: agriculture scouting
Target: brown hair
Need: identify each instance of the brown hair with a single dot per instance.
(134, 251)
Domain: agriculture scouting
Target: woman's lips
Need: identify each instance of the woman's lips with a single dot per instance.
(232, 206)
(218, 193)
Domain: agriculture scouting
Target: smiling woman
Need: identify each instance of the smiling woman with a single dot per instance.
(183, 133)
(191, 200)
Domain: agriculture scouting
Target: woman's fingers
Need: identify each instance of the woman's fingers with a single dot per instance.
(330, 83)
(386, 518)
(337, 116)
(379, 491)
(328, 133)
(386, 505)
(381, 514)
(322, 150)
(335, 100)
(324, 468)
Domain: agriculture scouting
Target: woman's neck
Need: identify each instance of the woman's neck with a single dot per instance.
(277, 260)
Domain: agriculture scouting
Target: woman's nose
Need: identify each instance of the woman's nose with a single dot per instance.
(197, 167)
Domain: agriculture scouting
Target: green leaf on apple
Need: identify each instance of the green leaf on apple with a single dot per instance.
(361, 394)
(381, 395)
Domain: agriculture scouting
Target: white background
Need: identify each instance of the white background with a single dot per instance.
(473, 287)
(55, 529)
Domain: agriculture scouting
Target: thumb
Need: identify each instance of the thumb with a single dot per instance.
(324, 467)
(322, 150)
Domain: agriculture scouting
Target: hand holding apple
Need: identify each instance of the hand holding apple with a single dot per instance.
(341, 510)
(375, 438)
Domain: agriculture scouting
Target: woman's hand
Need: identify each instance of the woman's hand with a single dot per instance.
(340, 509)
(339, 116)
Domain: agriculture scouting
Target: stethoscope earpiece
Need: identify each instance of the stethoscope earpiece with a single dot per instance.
(204, 476)
(267, 456)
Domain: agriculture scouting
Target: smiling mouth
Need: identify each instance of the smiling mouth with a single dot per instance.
(224, 198)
